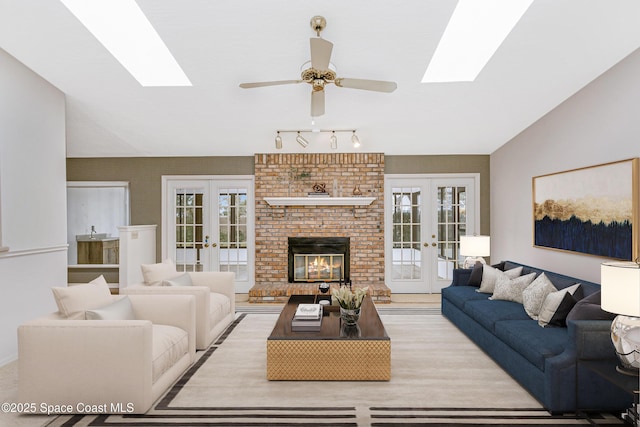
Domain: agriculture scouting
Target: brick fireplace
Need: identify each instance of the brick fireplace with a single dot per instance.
(294, 175)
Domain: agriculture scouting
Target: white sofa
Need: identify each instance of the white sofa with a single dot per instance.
(214, 292)
(68, 364)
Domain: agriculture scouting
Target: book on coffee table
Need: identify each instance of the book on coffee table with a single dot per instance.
(308, 318)
(308, 312)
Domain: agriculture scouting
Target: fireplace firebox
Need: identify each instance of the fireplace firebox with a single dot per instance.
(318, 259)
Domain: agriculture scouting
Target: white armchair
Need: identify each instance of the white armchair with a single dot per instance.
(215, 300)
(106, 366)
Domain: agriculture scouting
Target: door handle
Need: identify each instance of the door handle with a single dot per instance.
(434, 244)
(206, 241)
(213, 245)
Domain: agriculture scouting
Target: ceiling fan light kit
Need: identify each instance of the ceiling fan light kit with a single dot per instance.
(333, 140)
(322, 72)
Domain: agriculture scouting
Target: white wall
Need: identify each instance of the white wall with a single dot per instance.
(599, 124)
(32, 198)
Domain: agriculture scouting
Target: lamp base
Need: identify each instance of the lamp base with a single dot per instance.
(469, 262)
(625, 335)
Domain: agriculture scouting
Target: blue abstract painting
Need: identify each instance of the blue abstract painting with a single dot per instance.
(590, 210)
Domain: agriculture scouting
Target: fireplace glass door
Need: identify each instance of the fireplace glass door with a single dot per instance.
(318, 268)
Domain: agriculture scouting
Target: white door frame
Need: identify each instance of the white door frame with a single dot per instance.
(429, 268)
(211, 180)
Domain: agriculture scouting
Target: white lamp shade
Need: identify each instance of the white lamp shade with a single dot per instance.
(475, 246)
(620, 282)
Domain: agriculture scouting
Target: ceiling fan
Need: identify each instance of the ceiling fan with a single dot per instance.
(320, 73)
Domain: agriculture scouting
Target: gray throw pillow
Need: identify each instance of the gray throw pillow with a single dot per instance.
(534, 295)
(182, 280)
(118, 310)
(490, 275)
(511, 289)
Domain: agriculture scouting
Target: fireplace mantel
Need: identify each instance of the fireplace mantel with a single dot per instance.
(319, 201)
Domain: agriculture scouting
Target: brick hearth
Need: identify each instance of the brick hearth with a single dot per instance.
(294, 175)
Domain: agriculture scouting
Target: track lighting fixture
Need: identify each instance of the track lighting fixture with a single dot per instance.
(301, 140)
(333, 139)
(278, 141)
(355, 140)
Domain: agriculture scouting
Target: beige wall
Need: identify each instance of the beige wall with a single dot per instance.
(144, 175)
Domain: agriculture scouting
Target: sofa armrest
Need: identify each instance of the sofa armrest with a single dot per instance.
(592, 339)
(53, 356)
(461, 276)
(173, 310)
(222, 282)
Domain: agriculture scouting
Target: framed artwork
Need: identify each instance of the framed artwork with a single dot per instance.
(592, 210)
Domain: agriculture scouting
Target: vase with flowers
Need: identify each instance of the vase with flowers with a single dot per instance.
(350, 303)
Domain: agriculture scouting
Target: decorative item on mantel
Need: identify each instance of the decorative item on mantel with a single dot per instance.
(350, 303)
(319, 190)
(356, 190)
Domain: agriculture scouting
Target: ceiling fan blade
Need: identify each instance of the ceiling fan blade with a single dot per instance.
(376, 85)
(276, 83)
(317, 103)
(320, 53)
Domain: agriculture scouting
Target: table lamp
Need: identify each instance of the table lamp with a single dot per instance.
(474, 248)
(620, 283)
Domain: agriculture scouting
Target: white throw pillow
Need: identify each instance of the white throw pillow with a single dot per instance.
(534, 295)
(100, 280)
(490, 275)
(117, 310)
(76, 298)
(182, 280)
(552, 303)
(155, 274)
(511, 289)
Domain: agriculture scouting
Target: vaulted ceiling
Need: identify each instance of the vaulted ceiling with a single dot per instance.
(557, 48)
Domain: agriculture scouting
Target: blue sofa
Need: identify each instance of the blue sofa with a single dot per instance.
(542, 360)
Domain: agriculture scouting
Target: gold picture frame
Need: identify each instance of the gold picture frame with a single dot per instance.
(591, 210)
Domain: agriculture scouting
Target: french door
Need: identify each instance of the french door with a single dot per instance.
(208, 225)
(425, 215)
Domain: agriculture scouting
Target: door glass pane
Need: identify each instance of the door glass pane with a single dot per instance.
(406, 254)
(189, 227)
(451, 214)
(232, 220)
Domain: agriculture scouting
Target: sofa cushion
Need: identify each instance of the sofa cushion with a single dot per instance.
(588, 308)
(487, 312)
(120, 309)
(511, 289)
(220, 307)
(181, 280)
(534, 295)
(459, 295)
(78, 298)
(155, 274)
(491, 274)
(170, 343)
(100, 280)
(530, 340)
(556, 302)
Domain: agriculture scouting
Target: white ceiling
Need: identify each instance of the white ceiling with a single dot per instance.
(558, 47)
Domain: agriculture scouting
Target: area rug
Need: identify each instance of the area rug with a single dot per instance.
(439, 378)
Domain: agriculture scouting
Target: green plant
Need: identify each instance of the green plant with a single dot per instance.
(347, 299)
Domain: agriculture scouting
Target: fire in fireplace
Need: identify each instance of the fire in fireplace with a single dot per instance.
(318, 259)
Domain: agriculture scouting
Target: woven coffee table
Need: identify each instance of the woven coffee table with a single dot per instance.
(333, 353)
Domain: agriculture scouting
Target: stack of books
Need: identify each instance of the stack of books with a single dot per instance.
(308, 318)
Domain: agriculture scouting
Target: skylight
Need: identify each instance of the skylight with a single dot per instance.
(475, 31)
(122, 27)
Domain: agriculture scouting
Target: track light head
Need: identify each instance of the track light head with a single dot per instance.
(355, 140)
(302, 141)
(334, 140)
(278, 141)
